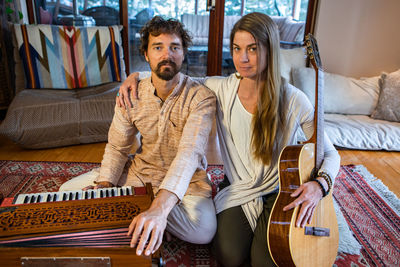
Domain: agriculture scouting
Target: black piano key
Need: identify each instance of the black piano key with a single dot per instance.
(48, 199)
(121, 191)
(77, 195)
(107, 193)
(112, 192)
(55, 197)
(33, 198)
(86, 195)
(64, 196)
(101, 193)
(92, 194)
(71, 196)
(26, 199)
(38, 198)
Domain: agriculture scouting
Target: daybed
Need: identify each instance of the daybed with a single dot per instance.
(59, 100)
(359, 113)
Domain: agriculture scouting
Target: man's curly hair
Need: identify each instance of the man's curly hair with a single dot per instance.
(158, 25)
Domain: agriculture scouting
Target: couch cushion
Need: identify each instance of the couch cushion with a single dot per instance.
(279, 20)
(292, 31)
(198, 25)
(342, 94)
(229, 22)
(388, 107)
(59, 57)
(362, 132)
(44, 118)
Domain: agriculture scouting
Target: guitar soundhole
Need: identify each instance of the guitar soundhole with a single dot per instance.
(316, 231)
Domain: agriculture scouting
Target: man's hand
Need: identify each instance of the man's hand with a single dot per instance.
(130, 84)
(308, 195)
(103, 184)
(147, 229)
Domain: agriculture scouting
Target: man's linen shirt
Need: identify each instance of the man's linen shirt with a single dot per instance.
(173, 135)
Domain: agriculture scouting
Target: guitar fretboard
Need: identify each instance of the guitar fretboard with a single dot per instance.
(319, 120)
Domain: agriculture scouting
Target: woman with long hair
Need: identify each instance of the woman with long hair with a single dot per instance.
(258, 114)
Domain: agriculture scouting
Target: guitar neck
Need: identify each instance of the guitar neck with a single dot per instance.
(319, 119)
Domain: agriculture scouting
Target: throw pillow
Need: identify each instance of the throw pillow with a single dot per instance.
(342, 94)
(67, 57)
(291, 58)
(388, 107)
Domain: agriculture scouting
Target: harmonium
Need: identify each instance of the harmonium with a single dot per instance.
(74, 228)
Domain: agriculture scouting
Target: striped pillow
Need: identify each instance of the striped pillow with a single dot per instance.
(67, 57)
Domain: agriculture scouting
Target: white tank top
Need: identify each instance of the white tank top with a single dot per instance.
(241, 134)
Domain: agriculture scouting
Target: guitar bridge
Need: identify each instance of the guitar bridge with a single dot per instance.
(316, 231)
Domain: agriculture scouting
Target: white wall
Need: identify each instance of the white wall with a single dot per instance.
(359, 37)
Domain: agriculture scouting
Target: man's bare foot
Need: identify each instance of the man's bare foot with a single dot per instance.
(167, 236)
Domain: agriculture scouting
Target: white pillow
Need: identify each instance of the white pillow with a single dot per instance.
(342, 94)
(291, 58)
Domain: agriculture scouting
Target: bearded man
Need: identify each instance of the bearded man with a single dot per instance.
(173, 115)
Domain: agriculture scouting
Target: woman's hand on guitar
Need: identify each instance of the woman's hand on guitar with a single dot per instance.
(129, 85)
(307, 195)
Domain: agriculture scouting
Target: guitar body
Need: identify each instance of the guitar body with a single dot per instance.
(290, 245)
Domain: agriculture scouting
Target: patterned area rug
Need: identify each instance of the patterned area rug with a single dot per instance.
(370, 209)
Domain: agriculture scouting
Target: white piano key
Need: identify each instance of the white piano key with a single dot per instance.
(78, 195)
(121, 191)
(43, 197)
(92, 193)
(106, 192)
(20, 199)
(56, 197)
(99, 193)
(129, 190)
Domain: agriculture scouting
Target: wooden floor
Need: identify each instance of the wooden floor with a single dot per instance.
(383, 165)
(78, 153)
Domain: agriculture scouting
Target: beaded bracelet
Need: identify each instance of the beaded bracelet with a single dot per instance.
(324, 193)
(327, 178)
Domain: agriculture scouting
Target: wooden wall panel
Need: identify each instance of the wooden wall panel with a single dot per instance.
(216, 32)
(123, 14)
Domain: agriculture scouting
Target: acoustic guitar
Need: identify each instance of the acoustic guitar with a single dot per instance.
(317, 243)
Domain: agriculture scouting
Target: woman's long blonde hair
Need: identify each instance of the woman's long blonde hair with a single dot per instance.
(268, 116)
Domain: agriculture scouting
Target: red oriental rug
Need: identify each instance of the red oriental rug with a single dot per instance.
(370, 209)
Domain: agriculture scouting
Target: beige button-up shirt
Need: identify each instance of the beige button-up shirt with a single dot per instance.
(174, 137)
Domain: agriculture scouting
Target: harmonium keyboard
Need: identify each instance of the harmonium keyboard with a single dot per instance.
(73, 228)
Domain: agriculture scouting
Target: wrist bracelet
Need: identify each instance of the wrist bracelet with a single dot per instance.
(327, 178)
(324, 193)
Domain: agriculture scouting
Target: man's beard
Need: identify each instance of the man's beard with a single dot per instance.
(168, 72)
